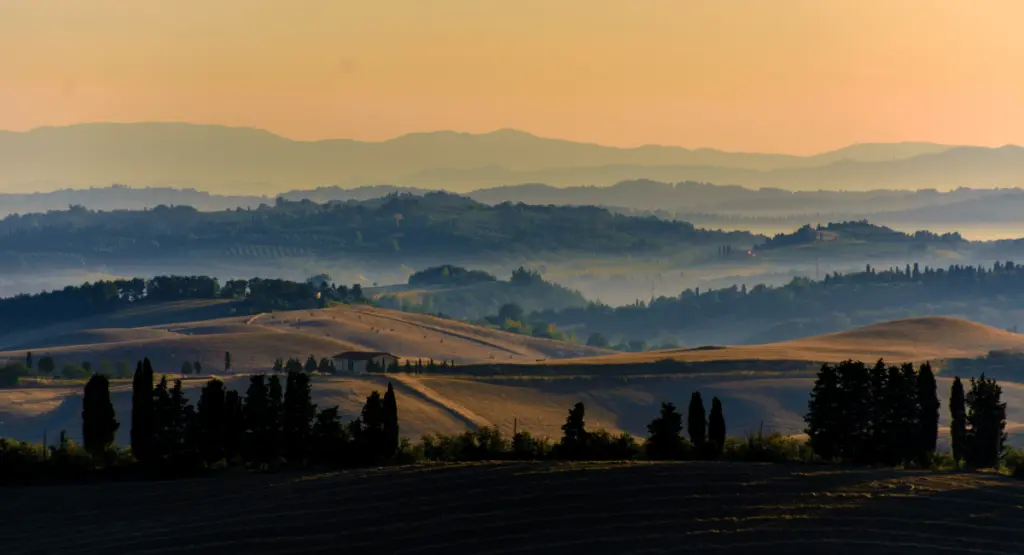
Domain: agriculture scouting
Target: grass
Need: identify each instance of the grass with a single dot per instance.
(531, 508)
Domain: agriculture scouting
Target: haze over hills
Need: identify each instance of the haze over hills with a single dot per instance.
(249, 161)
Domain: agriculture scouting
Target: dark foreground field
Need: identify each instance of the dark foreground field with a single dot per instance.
(529, 508)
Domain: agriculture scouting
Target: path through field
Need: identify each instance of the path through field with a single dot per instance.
(527, 508)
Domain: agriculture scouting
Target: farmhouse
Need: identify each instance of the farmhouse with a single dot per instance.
(355, 362)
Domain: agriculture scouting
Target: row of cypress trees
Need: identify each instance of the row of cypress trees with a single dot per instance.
(270, 422)
(889, 415)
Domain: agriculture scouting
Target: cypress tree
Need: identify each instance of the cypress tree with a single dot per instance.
(368, 430)
(211, 412)
(329, 440)
(163, 421)
(664, 441)
(311, 365)
(181, 417)
(256, 416)
(910, 411)
(716, 429)
(855, 411)
(227, 361)
(98, 419)
(928, 418)
(574, 433)
(275, 415)
(391, 432)
(986, 420)
(234, 424)
(824, 419)
(958, 420)
(697, 424)
(142, 412)
(880, 425)
(299, 413)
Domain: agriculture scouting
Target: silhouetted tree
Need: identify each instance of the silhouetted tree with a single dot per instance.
(716, 429)
(986, 421)
(697, 423)
(958, 420)
(275, 417)
(227, 361)
(256, 414)
(293, 365)
(928, 419)
(143, 412)
(98, 420)
(574, 434)
(390, 428)
(186, 368)
(664, 441)
(824, 415)
(299, 412)
(47, 365)
(855, 410)
(329, 440)
(278, 365)
(368, 431)
(211, 412)
(311, 365)
(879, 417)
(326, 366)
(234, 424)
(28, 360)
(197, 367)
(598, 340)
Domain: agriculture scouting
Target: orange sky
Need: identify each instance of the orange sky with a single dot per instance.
(795, 76)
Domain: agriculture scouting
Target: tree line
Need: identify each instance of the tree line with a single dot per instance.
(99, 297)
(883, 415)
(275, 423)
(436, 224)
(889, 415)
(833, 303)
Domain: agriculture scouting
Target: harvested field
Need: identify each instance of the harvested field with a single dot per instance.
(531, 508)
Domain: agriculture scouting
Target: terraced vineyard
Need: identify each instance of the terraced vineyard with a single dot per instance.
(530, 508)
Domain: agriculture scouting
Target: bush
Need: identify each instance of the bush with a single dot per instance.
(603, 446)
(525, 447)
(484, 444)
(1013, 459)
(12, 372)
(71, 371)
(774, 447)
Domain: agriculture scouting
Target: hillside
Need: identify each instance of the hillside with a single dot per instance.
(619, 393)
(912, 339)
(255, 342)
(726, 508)
(235, 161)
(408, 228)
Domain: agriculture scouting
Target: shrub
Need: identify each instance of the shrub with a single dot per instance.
(11, 374)
(525, 447)
(601, 445)
(71, 371)
(775, 447)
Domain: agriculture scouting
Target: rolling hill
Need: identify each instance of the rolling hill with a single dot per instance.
(618, 395)
(235, 161)
(912, 339)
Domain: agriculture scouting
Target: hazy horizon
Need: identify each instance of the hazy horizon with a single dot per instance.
(743, 76)
(496, 131)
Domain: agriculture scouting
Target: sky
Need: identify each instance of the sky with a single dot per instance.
(793, 76)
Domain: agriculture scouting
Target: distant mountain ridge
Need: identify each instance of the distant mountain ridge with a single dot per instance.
(245, 161)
